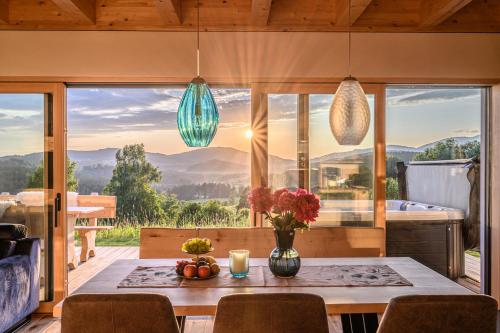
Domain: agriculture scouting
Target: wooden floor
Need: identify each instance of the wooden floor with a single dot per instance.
(47, 324)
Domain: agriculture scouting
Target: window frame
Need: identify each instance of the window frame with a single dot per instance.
(259, 124)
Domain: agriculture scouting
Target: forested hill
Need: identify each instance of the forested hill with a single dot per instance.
(207, 165)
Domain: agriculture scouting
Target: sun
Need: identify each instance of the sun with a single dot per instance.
(248, 134)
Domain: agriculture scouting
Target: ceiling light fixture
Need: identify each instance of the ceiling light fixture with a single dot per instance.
(349, 112)
(197, 116)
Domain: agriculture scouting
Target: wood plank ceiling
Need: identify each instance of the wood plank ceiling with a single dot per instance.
(253, 15)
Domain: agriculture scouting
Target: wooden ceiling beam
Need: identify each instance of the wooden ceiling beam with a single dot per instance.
(261, 9)
(434, 12)
(342, 11)
(170, 11)
(84, 10)
(4, 11)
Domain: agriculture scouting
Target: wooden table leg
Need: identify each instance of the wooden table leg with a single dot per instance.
(87, 237)
(70, 227)
(93, 223)
(181, 320)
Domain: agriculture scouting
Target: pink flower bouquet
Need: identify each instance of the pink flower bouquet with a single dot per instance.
(284, 209)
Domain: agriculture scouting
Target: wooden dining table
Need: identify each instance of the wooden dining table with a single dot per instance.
(338, 300)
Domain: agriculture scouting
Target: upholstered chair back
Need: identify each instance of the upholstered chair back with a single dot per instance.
(271, 313)
(443, 314)
(118, 313)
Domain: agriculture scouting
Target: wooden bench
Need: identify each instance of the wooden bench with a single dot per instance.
(318, 242)
(88, 233)
(87, 237)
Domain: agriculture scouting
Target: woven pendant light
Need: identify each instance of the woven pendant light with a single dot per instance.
(349, 112)
(197, 116)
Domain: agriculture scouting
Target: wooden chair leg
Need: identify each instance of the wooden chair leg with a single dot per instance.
(359, 322)
(181, 320)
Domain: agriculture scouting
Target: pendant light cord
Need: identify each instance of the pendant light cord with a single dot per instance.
(198, 38)
(349, 32)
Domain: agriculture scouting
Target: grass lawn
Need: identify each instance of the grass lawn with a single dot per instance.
(473, 253)
(118, 236)
(128, 235)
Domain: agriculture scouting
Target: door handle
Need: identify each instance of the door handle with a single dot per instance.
(57, 202)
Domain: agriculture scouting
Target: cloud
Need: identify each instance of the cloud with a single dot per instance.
(101, 110)
(414, 96)
(467, 132)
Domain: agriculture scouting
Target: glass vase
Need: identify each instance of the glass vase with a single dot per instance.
(284, 260)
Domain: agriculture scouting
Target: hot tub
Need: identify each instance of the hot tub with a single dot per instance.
(348, 212)
(427, 233)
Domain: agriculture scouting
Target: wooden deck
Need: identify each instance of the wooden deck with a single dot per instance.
(104, 256)
(473, 267)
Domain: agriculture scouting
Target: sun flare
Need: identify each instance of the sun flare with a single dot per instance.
(248, 134)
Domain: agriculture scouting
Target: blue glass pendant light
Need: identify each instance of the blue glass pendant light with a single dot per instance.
(197, 116)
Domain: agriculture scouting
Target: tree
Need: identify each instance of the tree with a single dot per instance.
(133, 175)
(364, 178)
(242, 202)
(35, 180)
(188, 214)
(472, 149)
(171, 207)
(391, 189)
(449, 149)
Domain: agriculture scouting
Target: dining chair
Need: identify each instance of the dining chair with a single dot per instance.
(271, 313)
(118, 313)
(440, 313)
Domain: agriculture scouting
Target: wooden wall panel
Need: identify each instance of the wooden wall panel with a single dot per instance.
(236, 58)
(317, 242)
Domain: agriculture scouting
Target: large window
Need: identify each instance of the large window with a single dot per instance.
(342, 176)
(433, 150)
(302, 152)
(179, 186)
(282, 141)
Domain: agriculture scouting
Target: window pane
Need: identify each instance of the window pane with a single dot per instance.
(188, 187)
(342, 176)
(433, 140)
(23, 172)
(282, 141)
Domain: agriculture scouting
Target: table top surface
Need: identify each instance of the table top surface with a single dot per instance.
(203, 301)
(81, 210)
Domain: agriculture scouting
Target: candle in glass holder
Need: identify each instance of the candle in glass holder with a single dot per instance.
(238, 263)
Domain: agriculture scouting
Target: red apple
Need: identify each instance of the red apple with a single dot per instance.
(190, 271)
(204, 271)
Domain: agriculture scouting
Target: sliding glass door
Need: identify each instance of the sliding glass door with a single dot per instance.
(30, 156)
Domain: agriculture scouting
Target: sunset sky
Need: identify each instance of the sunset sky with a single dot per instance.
(112, 117)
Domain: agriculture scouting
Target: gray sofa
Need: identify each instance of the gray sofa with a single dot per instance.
(19, 275)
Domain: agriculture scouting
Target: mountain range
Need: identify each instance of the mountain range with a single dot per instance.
(213, 164)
